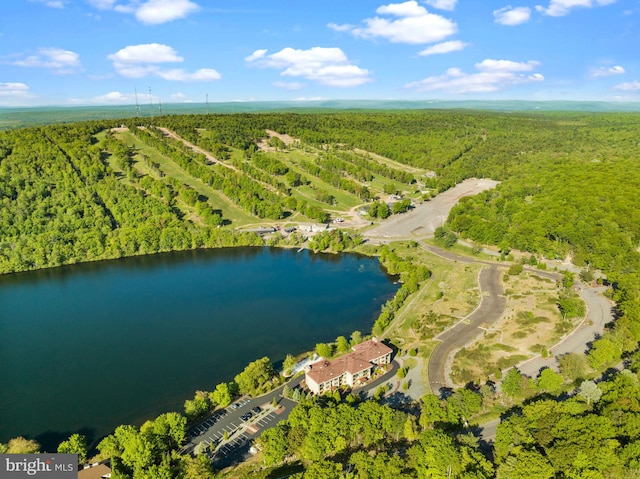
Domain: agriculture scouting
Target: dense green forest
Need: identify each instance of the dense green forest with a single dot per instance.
(569, 189)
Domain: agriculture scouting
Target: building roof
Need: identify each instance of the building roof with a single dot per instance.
(94, 472)
(372, 349)
(355, 362)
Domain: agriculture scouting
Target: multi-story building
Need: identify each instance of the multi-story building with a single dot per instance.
(352, 369)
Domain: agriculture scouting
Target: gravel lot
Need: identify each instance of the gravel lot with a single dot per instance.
(422, 221)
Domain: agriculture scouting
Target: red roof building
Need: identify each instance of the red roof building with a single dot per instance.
(349, 370)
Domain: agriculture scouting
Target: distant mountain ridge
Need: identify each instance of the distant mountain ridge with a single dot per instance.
(12, 117)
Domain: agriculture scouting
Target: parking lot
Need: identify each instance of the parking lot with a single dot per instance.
(226, 435)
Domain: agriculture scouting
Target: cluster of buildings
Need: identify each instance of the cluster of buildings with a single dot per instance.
(351, 369)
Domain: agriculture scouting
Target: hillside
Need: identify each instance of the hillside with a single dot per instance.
(568, 191)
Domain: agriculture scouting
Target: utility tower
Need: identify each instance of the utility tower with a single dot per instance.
(151, 102)
(137, 104)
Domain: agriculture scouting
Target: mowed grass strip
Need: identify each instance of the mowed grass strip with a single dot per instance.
(216, 199)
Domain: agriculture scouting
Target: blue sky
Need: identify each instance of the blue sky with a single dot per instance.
(84, 52)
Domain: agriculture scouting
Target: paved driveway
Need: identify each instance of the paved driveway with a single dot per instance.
(491, 308)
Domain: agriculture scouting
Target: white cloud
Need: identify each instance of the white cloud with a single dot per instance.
(490, 65)
(445, 47)
(14, 94)
(340, 28)
(52, 3)
(409, 23)
(493, 75)
(255, 55)
(59, 60)
(559, 8)
(138, 61)
(406, 9)
(629, 86)
(327, 66)
(114, 97)
(510, 16)
(605, 72)
(13, 89)
(288, 85)
(204, 74)
(443, 4)
(150, 12)
(146, 53)
(161, 11)
(102, 4)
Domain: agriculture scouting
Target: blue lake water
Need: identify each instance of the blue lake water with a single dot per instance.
(88, 347)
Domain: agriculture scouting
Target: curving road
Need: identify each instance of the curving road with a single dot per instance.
(600, 311)
(490, 309)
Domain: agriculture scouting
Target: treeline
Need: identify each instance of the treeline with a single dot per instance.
(411, 275)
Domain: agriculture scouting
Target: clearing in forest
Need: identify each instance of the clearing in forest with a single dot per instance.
(215, 198)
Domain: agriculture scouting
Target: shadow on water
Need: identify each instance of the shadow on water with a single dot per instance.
(50, 440)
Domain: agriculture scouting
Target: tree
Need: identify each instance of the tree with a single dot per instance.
(255, 376)
(222, 395)
(20, 445)
(288, 364)
(604, 352)
(76, 444)
(342, 345)
(356, 338)
(512, 383)
(573, 366)
(590, 392)
(549, 381)
(196, 407)
(463, 404)
(568, 279)
(324, 350)
(138, 450)
(525, 464)
(274, 445)
(198, 467)
(431, 411)
(171, 429)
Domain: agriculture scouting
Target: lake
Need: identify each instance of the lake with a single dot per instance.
(88, 347)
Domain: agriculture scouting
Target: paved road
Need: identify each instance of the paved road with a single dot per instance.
(600, 311)
(488, 430)
(422, 221)
(489, 310)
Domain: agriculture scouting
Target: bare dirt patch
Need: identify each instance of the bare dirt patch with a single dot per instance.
(264, 145)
